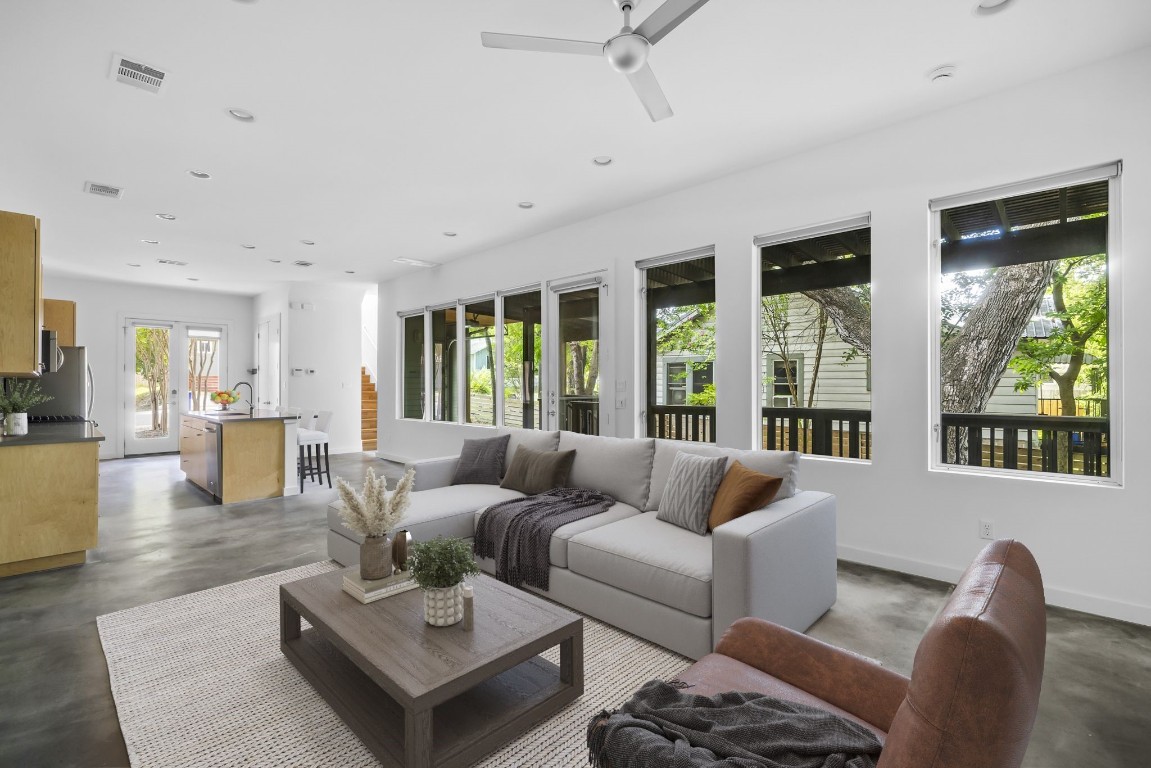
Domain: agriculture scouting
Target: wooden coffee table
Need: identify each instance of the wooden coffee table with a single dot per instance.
(422, 696)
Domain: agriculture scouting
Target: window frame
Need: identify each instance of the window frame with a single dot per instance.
(1110, 172)
(401, 345)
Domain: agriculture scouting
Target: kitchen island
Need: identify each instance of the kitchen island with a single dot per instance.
(238, 456)
(49, 488)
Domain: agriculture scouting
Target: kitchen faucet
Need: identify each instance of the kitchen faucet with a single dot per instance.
(251, 397)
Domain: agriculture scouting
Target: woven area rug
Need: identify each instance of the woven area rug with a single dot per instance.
(199, 680)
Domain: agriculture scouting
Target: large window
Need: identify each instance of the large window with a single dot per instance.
(412, 366)
(815, 340)
(523, 339)
(444, 364)
(679, 293)
(479, 361)
(1023, 375)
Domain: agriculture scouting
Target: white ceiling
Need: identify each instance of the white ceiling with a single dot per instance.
(382, 124)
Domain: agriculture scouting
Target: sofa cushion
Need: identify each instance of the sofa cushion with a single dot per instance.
(558, 548)
(481, 461)
(690, 491)
(781, 464)
(617, 466)
(650, 558)
(530, 438)
(538, 471)
(448, 511)
(742, 491)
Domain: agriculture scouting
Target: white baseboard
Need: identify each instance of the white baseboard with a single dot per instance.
(1062, 598)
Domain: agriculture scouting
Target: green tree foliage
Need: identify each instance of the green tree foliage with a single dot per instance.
(689, 330)
(152, 367)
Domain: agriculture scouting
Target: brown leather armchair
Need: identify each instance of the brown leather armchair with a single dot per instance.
(974, 688)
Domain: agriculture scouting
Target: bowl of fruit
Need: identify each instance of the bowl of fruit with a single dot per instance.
(224, 398)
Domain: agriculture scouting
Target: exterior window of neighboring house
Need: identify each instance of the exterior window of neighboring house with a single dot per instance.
(679, 300)
(815, 339)
(522, 333)
(1025, 328)
(412, 366)
(444, 364)
(480, 335)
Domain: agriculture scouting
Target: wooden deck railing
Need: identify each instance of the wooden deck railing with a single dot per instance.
(1072, 445)
(580, 414)
(843, 432)
(682, 422)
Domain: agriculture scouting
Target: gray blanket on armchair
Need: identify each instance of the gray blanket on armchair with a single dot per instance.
(518, 533)
(662, 726)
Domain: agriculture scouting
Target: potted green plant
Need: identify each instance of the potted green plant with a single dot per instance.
(372, 514)
(438, 568)
(16, 397)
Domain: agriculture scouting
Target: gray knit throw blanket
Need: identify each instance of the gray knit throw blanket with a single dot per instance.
(662, 726)
(518, 533)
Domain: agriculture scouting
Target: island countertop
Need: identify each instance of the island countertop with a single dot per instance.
(54, 433)
(240, 416)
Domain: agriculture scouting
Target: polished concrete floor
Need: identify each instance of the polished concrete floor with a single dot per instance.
(159, 538)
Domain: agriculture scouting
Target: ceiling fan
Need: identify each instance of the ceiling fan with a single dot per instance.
(626, 52)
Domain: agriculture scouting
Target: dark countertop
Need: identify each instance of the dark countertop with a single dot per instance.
(241, 416)
(50, 434)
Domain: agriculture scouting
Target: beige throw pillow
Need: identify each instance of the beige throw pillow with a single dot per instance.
(534, 472)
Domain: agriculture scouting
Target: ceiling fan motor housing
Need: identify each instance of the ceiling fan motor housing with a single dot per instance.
(627, 52)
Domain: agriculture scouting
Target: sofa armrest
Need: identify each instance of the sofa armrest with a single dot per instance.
(433, 473)
(853, 683)
(777, 563)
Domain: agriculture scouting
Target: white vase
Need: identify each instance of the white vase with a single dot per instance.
(444, 606)
(16, 424)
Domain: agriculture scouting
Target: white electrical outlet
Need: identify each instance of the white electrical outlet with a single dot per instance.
(986, 529)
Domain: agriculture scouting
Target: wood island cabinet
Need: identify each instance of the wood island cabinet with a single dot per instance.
(237, 457)
(193, 451)
(20, 294)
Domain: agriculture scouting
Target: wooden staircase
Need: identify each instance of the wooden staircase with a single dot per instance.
(368, 405)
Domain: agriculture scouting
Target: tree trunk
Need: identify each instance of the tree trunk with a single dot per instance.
(850, 316)
(818, 355)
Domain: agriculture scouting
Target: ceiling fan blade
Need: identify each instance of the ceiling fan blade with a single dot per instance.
(544, 44)
(666, 18)
(647, 88)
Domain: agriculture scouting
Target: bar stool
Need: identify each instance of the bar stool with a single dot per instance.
(313, 431)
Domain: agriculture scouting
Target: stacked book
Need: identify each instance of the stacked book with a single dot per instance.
(369, 590)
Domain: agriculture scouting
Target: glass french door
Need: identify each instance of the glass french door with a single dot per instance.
(574, 357)
(170, 367)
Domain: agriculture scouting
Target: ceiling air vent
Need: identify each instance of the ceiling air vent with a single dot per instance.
(136, 73)
(302, 263)
(103, 190)
(172, 262)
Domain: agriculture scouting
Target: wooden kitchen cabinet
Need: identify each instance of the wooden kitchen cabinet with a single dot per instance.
(20, 294)
(60, 316)
(194, 451)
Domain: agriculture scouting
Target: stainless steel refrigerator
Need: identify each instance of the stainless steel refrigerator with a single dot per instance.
(70, 388)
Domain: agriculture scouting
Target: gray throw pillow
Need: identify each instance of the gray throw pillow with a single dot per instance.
(534, 472)
(690, 491)
(481, 461)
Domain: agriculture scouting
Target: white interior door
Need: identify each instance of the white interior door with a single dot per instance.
(268, 362)
(573, 353)
(152, 393)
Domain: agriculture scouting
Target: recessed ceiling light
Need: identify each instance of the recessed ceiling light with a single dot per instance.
(165, 216)
(151, 242)
(249, 246)
(449, 234)
(200, 174)
(308, 242)
(133, 265)
(303, 263)
(942, 74)
(194, 279)
(242, 115)
(601, 160)
(172, 262)
(988, 7)
(274, 261)
(414, 262)
(349, 271)
(526, 205)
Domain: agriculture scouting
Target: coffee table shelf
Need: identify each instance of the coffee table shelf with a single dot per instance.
(459, 695)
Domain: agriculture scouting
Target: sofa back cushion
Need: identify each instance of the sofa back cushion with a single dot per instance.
(531, 438)
(618, 466)
(781, 464)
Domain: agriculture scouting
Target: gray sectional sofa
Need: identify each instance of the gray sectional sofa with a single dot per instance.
(643, 575)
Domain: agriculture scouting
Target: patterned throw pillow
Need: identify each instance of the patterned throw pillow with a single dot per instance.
(481, 461)
(690, 490)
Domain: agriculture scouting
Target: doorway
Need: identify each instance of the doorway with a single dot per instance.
(268, 362)
(574, 357)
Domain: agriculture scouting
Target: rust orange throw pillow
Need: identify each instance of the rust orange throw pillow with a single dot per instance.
(742, 491)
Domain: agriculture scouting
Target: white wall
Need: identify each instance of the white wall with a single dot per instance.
(1090, 541)
(324, 337)
(100, 309)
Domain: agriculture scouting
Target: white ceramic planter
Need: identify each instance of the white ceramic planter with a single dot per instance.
(16, 424)
(444, 606)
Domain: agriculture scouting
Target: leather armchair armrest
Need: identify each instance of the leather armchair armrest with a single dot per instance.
(433, 473)
(852, 683)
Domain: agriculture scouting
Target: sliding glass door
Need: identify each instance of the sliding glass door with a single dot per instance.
(574, 384)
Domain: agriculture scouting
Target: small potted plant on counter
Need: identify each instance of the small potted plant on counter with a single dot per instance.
(16, 397)
(439, 567)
